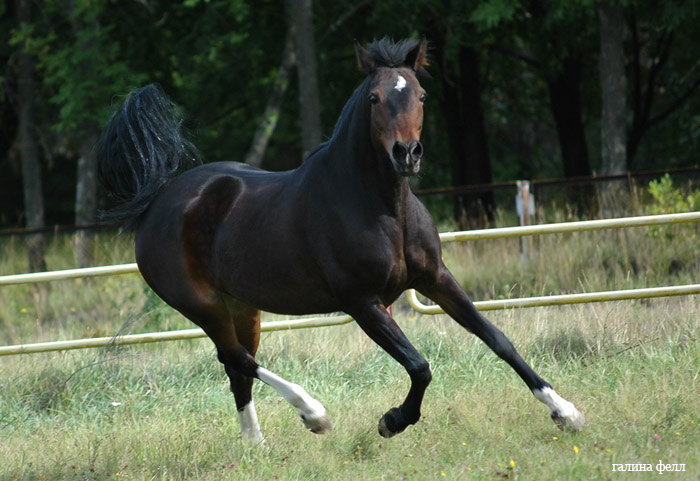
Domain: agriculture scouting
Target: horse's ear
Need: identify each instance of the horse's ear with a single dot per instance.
(365, 61)
(417, 58)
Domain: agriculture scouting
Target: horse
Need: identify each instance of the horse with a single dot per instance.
(221, 241)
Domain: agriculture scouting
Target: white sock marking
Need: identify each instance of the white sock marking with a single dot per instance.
(400, 83)
(250, 428)
(564, 413)
(312, 412)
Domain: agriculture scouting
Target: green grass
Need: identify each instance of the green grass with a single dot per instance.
(175, 419)
(163, 411)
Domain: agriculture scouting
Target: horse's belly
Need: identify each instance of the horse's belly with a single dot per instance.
(280, 290)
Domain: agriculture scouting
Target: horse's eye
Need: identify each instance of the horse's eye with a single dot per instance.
(373, 99)
(422, 97)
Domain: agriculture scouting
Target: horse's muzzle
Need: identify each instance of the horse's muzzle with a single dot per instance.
(406, 158)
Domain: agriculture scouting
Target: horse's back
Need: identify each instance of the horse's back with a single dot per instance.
(229, 227)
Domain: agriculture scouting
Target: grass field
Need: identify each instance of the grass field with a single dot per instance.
(163, 411)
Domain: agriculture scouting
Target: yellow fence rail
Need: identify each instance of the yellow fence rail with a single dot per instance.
(163, 336)
(566, 227)
(67, 274)
(479, 234)
(563, 299)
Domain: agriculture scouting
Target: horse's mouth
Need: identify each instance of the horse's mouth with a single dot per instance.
(407, 168)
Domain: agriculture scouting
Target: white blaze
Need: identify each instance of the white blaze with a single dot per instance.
(400, 83)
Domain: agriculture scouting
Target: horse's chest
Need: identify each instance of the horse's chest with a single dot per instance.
(378, 258)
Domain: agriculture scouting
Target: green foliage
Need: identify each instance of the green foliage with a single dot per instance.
(218, 59)
(488, 15)
(80, 64)
(668, 199)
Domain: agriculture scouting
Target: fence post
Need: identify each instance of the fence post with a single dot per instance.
(525, 207)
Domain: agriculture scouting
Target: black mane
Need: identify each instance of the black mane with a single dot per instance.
(387, 53)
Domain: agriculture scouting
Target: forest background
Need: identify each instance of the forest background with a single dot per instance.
(518, 89)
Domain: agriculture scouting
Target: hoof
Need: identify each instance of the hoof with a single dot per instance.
(388, 425)
(384, 431)
(318, 424)
(574, 421)
(564, 414)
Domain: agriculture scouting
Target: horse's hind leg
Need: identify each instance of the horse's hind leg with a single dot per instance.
(236, 342)
(180, 272)
(452, 298)
(247, 327)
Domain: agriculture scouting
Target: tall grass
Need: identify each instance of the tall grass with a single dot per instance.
(163, 412)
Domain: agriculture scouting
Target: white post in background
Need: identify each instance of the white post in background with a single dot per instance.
(525, 207)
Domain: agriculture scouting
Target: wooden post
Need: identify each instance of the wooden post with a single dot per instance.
(525, 207)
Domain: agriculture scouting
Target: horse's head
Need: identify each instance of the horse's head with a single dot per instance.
(396, 100)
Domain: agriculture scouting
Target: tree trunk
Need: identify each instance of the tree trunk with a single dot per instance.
(477, 160)
(29, 148)
(613, 85)
(455, 139)
(86, 202)
(309, 102)
(565, 102)
(266, 127)
(268, 122)
(655, 58)
(468, 149)
(86, 182)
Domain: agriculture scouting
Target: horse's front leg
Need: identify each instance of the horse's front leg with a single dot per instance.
(375, 321)
(452, 298)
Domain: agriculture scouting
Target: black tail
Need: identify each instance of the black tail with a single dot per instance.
(141, 149)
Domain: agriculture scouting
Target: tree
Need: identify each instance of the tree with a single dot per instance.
(29, 145)
(514, 91)
(309, 102)
(665, 66)
(266, 127)
(553, 39)
(613, 87)
(462, 106)
(80, 67)
(86, 181)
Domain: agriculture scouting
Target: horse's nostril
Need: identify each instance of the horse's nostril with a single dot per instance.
(399, 151)
(416, 150)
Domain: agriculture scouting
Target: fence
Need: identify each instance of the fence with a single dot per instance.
(537, 186)
(412, 299)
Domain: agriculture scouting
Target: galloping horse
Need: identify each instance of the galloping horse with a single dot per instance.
(343, 232)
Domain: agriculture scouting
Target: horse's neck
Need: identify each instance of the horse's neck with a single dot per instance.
(359, 174)
(349, 164)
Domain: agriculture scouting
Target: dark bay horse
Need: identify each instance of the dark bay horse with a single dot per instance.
(343, 232)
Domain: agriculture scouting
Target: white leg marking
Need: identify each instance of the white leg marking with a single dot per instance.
(312, 412)
(250, 428)
(564, 413)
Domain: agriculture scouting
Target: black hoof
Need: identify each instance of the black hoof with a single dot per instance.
(392, 423)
